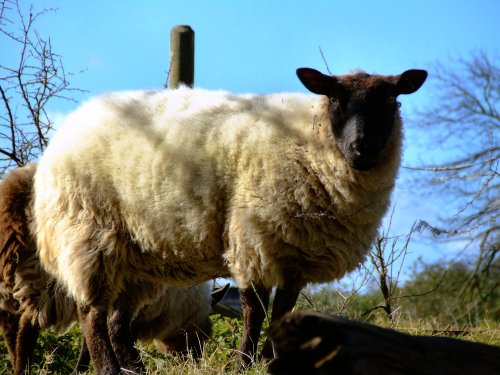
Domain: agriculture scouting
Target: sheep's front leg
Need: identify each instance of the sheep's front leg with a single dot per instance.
(27, 335)
(10, 324)
(284, 301)
(254, 301)
(93, 320)
(122, 337)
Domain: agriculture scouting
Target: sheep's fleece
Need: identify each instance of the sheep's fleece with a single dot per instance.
(184, 185)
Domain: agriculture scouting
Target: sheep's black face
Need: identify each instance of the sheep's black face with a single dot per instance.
(364, 110)
(362, 122)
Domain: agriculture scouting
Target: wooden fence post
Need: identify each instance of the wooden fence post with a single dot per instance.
(181, 56)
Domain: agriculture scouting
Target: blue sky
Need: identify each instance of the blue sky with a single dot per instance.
(255, 46)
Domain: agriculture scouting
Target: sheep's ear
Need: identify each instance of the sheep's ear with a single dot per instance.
(219, 294)
(317, 82)
(410, 81)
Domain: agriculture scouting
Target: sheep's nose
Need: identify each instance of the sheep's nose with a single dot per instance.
(358, 146)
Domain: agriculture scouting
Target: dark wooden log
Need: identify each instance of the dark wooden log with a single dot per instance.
(312, 343)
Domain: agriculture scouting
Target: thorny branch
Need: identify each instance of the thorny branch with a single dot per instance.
(387, 260)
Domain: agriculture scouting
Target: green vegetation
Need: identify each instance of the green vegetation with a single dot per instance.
(438, 293)
(58, 354)
(448, 298)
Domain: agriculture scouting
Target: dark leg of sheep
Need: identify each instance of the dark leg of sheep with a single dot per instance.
(254, 301)
(121, 335)
(93, 320)
(10, 325)
(284, 301)
(27, 335)
(83, 359)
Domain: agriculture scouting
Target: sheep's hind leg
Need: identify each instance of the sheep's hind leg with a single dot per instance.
(83, 359)
(284, 301)
(27, 335)
(254, 301)
(10, 324)
(121, 335)
(93, 320)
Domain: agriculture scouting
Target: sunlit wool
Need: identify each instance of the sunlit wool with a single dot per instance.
(184, 185)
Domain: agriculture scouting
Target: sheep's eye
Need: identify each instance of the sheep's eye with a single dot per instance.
(392, 99)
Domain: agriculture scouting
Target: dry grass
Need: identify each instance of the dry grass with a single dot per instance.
(220, 356)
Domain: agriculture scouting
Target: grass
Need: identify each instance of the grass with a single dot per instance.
(58, 354)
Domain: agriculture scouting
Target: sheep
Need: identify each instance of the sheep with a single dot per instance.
(30, 299)
(179, 186)
(178, 322)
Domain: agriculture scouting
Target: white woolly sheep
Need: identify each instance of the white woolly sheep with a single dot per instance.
(178, 321)
(30, 299)
(184, 185)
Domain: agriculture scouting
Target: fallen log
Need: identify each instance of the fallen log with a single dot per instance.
(316, 344)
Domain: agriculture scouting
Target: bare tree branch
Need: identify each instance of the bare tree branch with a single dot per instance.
(27, 86)
(464, 119)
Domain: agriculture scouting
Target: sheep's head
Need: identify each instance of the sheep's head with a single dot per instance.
(191, 338)
(188, 340)
(363, 109)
